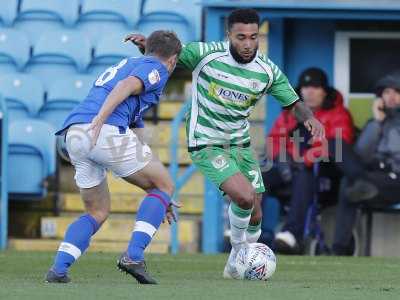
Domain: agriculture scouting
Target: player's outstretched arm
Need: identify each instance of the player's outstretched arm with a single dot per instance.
(286, 95)
(304, 115)
(125, 88)
(190, 55)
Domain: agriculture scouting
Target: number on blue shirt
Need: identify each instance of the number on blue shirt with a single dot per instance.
(110, 73)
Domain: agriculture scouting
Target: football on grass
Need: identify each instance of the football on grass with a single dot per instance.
(256, 262)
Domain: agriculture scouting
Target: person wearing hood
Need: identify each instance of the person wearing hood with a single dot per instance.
(378, 148)
(293, 152)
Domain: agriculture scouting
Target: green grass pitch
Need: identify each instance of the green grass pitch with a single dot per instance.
(199, 277)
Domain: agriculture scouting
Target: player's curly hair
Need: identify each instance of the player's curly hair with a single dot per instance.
(245, 16)
(163, 43)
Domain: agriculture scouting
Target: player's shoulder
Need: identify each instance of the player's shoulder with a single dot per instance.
(137, 60)
(218, 46)
(148, 61)
(269, 66)
(149, 68)
(265, 60)
(206, 48)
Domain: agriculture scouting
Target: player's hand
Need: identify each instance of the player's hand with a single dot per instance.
(316, 129)
(95, 128)
(137, 39)
(170, 216)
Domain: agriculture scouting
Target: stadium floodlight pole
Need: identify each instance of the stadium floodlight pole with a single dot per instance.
(3, 175)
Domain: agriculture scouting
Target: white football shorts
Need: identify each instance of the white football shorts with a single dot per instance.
(118, 151)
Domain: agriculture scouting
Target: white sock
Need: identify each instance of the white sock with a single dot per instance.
(252, 237)
(239, 220)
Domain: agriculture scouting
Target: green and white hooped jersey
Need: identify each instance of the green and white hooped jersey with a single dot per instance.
(225, 92)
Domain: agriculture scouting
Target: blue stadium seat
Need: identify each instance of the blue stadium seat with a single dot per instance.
(111, 49)
(99, 16)
(65, 11)
(8, 11)
(35, 28)
(32, 158)
(14, 49)
(23, 94)
(59, 53)
(63, 95)
(39, 16)
(154, 22)
(190, 10)
(127, 11)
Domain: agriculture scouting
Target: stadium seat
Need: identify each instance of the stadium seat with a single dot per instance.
(63, 96)
(8, 11)
(32, 158)
(181, 27)
(127, 11)
(98, 16)
(111, 49)
(14, 49)
(187, 9)
(59, 53)
(23, 94)
(66, 11)
(39, 16)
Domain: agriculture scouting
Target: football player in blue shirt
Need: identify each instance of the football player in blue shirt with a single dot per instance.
(98, 138)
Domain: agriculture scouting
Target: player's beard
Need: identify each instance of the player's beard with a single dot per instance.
(236, 56)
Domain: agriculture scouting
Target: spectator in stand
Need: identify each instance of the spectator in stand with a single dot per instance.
(378, 179)
(293, 152)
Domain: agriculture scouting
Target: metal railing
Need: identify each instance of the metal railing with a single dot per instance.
(179, 181)
(3, 175)
(212, 222)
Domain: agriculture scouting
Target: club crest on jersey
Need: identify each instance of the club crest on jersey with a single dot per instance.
(254, 84)
(154, 76)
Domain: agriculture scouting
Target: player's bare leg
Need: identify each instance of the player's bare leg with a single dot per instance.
(254, 230)
(97, 201)
(153, 178)
(77, 238)
(242, 195)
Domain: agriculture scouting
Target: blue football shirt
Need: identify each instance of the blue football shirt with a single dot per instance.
(148, 69)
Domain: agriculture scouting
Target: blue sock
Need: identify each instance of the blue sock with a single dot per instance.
(148, 219)
(76, 241)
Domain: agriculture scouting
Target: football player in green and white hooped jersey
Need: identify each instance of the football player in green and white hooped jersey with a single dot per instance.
(228, 80)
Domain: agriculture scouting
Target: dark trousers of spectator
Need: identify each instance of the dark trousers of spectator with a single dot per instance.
(303, 186)
(302, 195)
(274, 183)
(389, 193)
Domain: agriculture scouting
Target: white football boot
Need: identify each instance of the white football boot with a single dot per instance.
(230, 271)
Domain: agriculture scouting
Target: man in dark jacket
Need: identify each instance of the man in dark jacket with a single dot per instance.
(293, 160)
(379, 165)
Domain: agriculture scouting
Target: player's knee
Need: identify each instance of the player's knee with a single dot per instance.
(245, 199)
